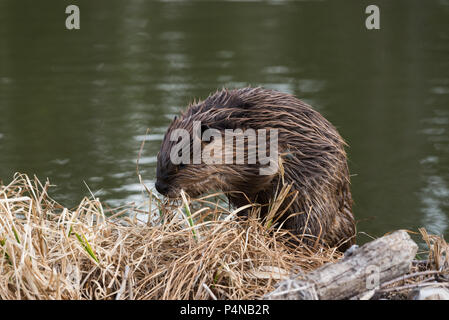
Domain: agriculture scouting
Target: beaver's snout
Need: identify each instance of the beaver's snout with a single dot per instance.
(162, 187)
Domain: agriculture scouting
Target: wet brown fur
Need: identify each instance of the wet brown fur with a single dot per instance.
(313, 161)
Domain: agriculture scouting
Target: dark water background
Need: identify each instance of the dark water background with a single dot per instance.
(75, 105)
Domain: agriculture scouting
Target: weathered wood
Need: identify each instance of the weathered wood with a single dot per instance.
(355, 275)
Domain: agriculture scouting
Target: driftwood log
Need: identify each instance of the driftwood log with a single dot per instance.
(357, 275)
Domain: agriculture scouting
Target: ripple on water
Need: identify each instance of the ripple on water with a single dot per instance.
(435, 193)
(282, 87)
(311, 85)
(60, 162)
(435, 200)
(135, 193)
(430, 160)
(5, 80)
(96, 179)
(225, 54)
(276, 70)
(150, 137)
(440, 90)
(148, 160)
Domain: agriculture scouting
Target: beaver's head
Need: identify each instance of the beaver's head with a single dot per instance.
(196, 157)
(176, 168)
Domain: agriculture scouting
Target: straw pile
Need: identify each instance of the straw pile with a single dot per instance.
(189, 250)
(50, 252)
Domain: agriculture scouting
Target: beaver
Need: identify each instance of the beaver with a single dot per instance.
(312, 157)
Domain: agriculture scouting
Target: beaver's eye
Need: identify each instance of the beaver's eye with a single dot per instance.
(181, 166)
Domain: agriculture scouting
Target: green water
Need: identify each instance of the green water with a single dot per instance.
(75, 105)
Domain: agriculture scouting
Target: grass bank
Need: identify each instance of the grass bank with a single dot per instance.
(190, 250)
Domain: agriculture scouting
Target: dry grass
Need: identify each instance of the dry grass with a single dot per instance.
(430, 273)
(189, 251)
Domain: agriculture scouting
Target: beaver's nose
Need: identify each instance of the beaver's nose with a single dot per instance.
(162, 187)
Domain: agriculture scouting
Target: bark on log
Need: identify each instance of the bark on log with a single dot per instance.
(355, 275)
